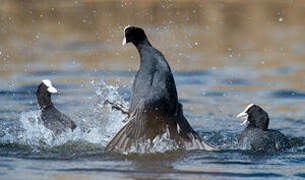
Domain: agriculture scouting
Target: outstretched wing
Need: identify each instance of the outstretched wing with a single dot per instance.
(143, 125)
(189, 138)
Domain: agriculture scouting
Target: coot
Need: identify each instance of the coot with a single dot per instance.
(154, 107)
(51, 117)
(256, 136)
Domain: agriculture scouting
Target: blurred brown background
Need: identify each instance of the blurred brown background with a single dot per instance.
(192, 34)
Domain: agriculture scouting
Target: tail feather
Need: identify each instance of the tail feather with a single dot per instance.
(143, 126)
(122, 140)
(131, 134)
(189, 137)
(198, 143)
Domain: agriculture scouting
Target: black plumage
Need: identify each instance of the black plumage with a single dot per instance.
(52, 118)
(154, 107)
(256, 136)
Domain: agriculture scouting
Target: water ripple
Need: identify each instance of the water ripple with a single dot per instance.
(177, 172)
(288, 94)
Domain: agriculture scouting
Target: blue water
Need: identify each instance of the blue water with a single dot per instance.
(84, 156)
(223, 54)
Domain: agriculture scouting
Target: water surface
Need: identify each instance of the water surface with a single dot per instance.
(224, 55)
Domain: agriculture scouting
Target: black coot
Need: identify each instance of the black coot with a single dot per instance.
(51, 117)
(256, 136)
(154, 107)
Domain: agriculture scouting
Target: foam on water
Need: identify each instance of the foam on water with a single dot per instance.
(113, 118)
(33, 133)
(97, 129)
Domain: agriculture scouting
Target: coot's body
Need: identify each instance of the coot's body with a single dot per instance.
(52, 118)
(256, 136)
(154, 107)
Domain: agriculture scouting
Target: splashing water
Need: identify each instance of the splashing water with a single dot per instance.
(159, 144)
(111, 93)
(34, 134)
(113, 119)
(97, 129)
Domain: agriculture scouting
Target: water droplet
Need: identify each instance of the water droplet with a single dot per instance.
(189, 45)
(37, 36)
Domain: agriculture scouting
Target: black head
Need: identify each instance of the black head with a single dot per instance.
(256, 117)
(43, 93)
(133, 34)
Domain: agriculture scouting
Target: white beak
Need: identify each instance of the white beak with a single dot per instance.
(244, 116)
(124, 41)
(51, 88)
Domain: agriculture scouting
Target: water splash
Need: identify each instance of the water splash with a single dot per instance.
(113, 118)
(33, 133)
(94, 130)
(159, 144)
(97, 127)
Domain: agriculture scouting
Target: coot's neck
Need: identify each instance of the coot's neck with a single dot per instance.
(142, 45)
(44, 101)
(253, 125)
